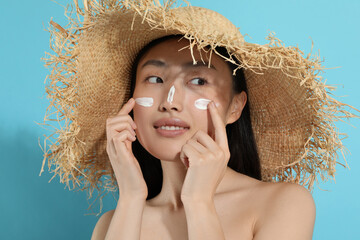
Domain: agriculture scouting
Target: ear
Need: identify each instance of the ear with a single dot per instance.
(237, 105)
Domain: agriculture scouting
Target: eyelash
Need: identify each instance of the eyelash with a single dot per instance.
(202, 79)
(147, 79)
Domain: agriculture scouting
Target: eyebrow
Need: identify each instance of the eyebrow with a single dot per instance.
(199, 64)
(159, 63)
(156, 63)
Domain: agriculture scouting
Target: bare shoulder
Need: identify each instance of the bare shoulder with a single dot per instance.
(102, 226)
(285, 194)
(286, 210)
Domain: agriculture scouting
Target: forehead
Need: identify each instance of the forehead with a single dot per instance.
(176, 50)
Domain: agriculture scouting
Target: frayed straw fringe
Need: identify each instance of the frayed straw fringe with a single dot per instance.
(78, 169)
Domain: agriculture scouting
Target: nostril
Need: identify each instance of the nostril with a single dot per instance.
(166, 106)
(172, 108)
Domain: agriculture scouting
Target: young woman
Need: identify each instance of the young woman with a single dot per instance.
(201, 197)
(193, 125)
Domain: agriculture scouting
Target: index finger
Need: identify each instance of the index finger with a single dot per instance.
(219, 126)
(126, 109)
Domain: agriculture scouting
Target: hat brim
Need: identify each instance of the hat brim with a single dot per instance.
(289, 103)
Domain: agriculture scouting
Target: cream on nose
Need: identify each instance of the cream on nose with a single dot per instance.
(171, 93)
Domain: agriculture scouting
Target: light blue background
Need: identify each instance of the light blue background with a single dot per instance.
(32, 208)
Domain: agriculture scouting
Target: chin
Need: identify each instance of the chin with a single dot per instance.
(167, 153)
(167, 149)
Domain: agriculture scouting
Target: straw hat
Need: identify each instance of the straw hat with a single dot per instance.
(292, 113)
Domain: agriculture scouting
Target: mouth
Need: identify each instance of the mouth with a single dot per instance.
(171, 127)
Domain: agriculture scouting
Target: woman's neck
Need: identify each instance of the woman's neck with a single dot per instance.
(174, 173)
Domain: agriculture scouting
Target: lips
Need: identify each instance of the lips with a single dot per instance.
(171, 127)
(171, 122)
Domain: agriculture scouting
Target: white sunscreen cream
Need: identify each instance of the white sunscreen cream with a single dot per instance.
(145, 101)
(171, 93)
(202, 103)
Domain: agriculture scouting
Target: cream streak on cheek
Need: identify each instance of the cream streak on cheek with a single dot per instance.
(202, 103)
(145, 101)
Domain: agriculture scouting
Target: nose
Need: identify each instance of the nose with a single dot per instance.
(172, 99)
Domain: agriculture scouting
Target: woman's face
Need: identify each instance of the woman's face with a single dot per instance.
(171, 91)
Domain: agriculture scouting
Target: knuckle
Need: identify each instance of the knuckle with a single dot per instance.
(129, 125)
(199, 133)
(210, 155)
(119, 137)
(220, 155)
(108, 120)
(227, 154)
(184, 147)
(129, 118)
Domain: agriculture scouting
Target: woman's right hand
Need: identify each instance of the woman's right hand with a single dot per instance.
(120, 135)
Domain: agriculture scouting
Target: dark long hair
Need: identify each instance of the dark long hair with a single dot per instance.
(244, 157)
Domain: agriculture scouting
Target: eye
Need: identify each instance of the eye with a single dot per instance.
(154, 79)
(198, 81)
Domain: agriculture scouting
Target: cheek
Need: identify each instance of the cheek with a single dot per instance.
(139, 112)
(141, 116)
(197, 106)
(200, 102)
(145, 101)
(144, 106)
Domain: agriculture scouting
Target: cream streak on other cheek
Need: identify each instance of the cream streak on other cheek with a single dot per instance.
(202, 103)
(145, 101)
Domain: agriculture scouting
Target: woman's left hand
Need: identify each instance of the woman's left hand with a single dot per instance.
(207, 159)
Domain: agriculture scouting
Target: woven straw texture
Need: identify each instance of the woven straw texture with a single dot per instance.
(292, 112)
